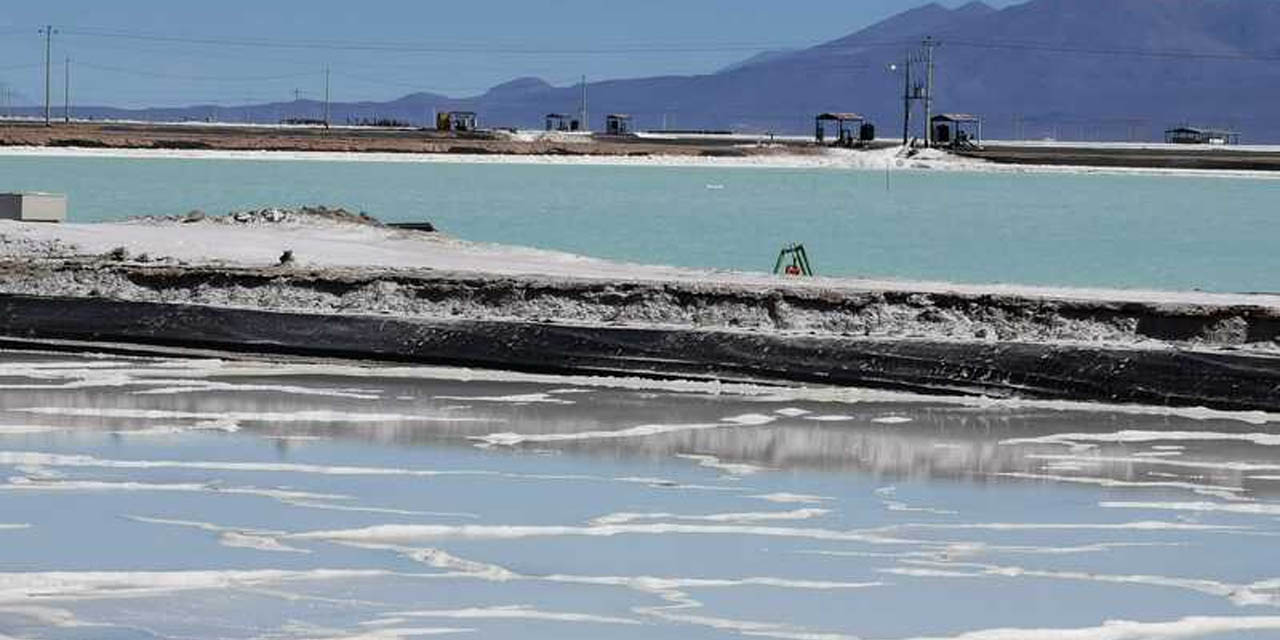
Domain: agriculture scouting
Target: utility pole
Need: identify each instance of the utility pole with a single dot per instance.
(326, 96)
(913, 90)
(929, 45)
(66, 94)
(906, 102)
(582, 115)
(48, 72)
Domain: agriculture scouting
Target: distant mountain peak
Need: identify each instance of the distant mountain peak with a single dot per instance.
(521, 85)
(977, 7)
(1070, 69)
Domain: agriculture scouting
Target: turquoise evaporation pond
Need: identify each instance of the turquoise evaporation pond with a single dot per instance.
(1128, 231)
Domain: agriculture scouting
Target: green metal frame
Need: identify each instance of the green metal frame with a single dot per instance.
(799, 259)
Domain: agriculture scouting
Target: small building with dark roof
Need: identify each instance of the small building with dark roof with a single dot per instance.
(1201, 135)
(457, 121)
(618, 124)
(561, 122)
(957, 130)
(850, 128)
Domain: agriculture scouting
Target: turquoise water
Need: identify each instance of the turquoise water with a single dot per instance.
(1090, 230)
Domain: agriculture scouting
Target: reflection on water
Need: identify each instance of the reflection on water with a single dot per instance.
(153, 498)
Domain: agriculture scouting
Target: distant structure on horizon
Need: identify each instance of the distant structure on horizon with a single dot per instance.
(957, 130)
(1201, 135)
(851, 129)
(460, 121)
(618, 124)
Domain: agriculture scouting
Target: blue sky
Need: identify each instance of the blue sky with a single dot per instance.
(136, 52)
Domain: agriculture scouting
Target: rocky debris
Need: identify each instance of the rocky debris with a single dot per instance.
(1233, 331)
(118, 254)
(424, 227)
(20, 247)
(273, 216)
(287, 259)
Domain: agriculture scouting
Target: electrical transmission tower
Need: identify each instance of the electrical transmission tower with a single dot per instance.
(917, 89)
(582, 109)
(327, 103)
(929, 45)
(47, 31)
(66, 94)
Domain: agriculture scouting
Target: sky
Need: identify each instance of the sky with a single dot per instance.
(134, 53)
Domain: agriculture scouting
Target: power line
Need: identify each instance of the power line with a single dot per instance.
(198, 78)
(1146, 53)
(412, 47)
(408, 47)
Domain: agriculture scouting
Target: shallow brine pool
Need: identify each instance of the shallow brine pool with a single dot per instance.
(160, 498)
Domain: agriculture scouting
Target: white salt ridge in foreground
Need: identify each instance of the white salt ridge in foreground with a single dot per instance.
(642, 431)
(1242, 467)
(892, 420)
(58, 585)
(205, 386)
(515, 612)
(669, 590)
(131, 372)
(25, 430)
(731, 468)
(27, 484)
(391, 633)
(1217, 491)
(1191, 627)
(528, 398)
(232, 537)
(1251, 508)
(1261, 592)
(1134, 436)
(295, 416)
(1150, 525)
(792, 498)
(41, 460)
(753, 516)
(404, 534)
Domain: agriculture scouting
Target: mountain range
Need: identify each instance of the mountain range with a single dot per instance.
(1065, 69)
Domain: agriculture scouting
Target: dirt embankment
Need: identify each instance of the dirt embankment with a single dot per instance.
(1195, 157)
(1176, 349)
(362, 140)
(781, 309)
(1220, 357)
